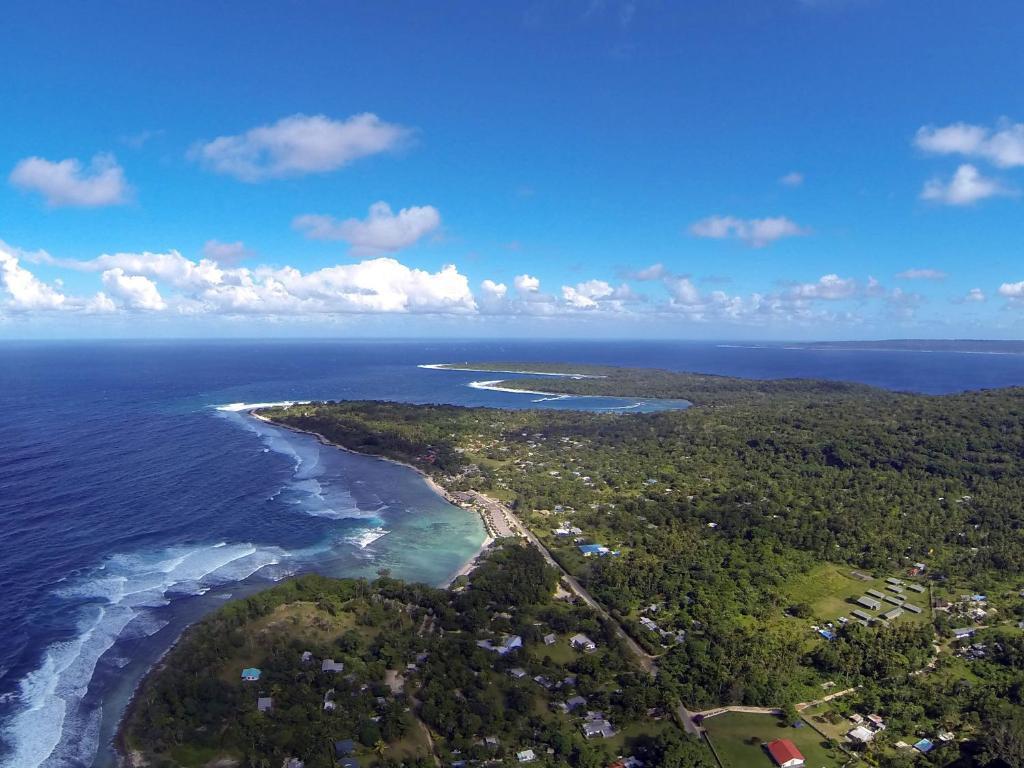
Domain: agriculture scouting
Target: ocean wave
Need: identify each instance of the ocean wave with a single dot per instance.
(363, 539)
(113, 602)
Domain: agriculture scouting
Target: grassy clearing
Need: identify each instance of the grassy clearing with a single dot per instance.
(831, 589)
(738, 738)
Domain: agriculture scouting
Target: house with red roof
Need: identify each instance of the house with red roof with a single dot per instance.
(785, 754)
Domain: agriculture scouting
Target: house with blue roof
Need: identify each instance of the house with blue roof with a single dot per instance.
(594, 549)
(924, 746)
(251, 674)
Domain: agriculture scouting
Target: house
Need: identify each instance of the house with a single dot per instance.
(877, 721)
(597, 726)
(344, 748)
(869, 602)
(594, 549)
(924, 746)
(895, 613)
(894, 581)
(307, 656)
(506, 645)
(517, 672)
(582, 643)
(329, 704)
(963, 633)
(875, 593)
(294, 762)
(550, 639)
(785, 754)
(330, 665)
(264, 704)
(526, 756)
(894, 599)
(251, 674)
(861, 735)
(828, 634)
(860, 615)
(856, 719)
(911, 607)
(575, 702)
(915, 588)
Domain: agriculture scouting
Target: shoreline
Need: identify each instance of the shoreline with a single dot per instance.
(130, 758)
(470, 565)
(452, 367)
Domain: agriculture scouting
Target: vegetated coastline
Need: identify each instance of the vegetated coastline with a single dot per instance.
(699, 389)
(954, 453)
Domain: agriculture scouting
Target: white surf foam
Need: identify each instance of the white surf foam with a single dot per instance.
(52, 724)
(363, 539)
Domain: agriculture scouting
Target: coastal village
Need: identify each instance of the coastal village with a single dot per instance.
(577, 674)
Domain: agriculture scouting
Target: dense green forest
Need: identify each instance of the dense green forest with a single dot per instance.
(412, 661)
(718, 511)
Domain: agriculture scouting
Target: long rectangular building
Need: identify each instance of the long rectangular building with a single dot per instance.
(869, 602)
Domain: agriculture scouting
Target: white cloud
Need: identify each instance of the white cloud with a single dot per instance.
(975, 294)
(1003, 147)
(526, 284)
(682, 290)
(226, 254)
(587, 295)
(922, 274)
(299, 145)
(756, 233)
(382, 231)
(134, 291)
(1012, 291)
(26, 291)
(67, 182)
(170, 267)
(828, 287)
(493, 290)
(967, 187)
(792, 179)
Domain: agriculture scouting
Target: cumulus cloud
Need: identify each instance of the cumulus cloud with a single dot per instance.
(1012, 291)
(69, 183)
(382, 231)
(1003, 146)
(587, 295)
(299, 145)
(792, 179)
(134, 291)
(26, 292)
(492, 289)
(828, 287)
(922, 274)
(757, 233)
(975, 294)
(226, 254)
(967, 187)
(526, 284)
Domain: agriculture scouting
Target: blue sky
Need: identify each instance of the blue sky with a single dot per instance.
(778, 169)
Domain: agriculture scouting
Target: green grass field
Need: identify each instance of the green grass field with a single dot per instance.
(829, 588)
(738, 738)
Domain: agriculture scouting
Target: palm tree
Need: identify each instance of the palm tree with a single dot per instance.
(380, 747)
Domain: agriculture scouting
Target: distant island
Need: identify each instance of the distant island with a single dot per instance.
(788, 565)
(979, 346)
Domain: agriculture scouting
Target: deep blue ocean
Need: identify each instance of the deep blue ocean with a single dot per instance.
(136, 494)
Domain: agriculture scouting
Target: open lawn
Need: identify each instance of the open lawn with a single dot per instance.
(830, 589)
(738, 738)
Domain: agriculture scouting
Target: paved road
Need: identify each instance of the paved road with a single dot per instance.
(496, 508)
